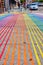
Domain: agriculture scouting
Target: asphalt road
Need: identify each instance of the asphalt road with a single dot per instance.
(21, 38)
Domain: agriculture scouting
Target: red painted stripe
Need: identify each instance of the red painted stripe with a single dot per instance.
(3, 33)
(4, 38)
(4, 27)
(9, 22)
(5, 44)
(1, 28)
(8, 31)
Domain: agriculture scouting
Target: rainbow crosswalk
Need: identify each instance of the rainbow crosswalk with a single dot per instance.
(21, 39)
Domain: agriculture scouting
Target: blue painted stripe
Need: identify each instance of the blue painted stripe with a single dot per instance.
(37, 21)
(4, 16)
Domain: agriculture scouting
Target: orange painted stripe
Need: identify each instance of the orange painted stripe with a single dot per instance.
(13, 51)
(7, 54)
(29, 49)
(13, 54)
(25, 58)
(18, 53)
(18, 63)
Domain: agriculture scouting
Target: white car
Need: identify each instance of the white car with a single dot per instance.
(33, 6)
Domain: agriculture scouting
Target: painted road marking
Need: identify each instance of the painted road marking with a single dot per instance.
(37, 57)
(38, 31)
(18, 62)
(5, 44)
(41, 35)
(29, 50)
(4, 37)
(25, 58)
(13, 51)
(32, 24)
(3, 33)
(8, 51)
(22, 31)
(37, 43)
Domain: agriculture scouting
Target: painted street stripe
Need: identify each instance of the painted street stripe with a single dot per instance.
(8, 51)
(4, 37)
(4, 32)
(37, 57)
(37, 43)
(29, 50)
(13, 51)
(18, 63)
(25, 58)
(5, 44)
(1, 31)
(31, 23)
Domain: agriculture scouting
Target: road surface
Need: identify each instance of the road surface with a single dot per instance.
(21, 39)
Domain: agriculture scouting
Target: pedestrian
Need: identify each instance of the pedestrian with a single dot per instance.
(18, 4)
(14, 3)
(24, 4)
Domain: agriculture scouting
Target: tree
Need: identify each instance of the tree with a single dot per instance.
(22, 1)
(39, 0)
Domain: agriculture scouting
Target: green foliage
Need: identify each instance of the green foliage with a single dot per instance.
(21, 1)
(39, 0)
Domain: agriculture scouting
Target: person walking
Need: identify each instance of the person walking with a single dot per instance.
(18, 4)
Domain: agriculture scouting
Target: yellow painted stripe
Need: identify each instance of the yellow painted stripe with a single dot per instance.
(37, 57)
(29, 49)
(37, 32)
(39, 35)
(37, 44)
(31, 23)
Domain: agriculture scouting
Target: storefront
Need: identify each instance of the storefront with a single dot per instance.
(1, 5)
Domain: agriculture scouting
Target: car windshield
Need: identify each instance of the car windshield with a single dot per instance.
(33, 4)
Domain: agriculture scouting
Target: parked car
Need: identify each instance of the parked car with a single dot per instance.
(33, 6)
(38, 3)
